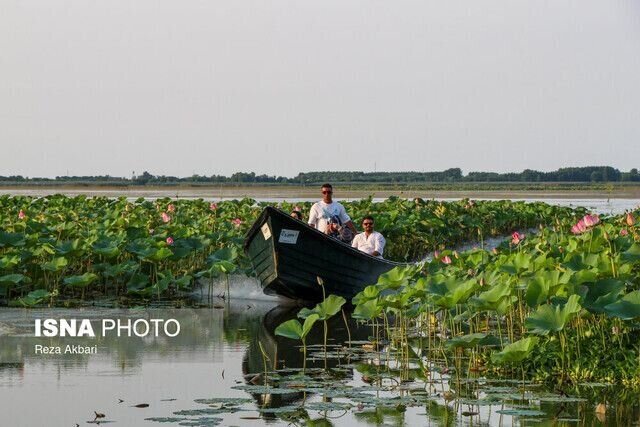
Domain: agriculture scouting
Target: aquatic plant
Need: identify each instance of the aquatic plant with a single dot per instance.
(547, 301)
(294, 330)
(131, 245)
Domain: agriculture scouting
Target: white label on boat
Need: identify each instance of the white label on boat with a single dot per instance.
(266, 231)
(288, 236)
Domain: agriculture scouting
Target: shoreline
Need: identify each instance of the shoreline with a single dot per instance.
(312, 193)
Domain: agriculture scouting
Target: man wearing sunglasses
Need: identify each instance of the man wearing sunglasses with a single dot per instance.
(329, 216)
(369, 241)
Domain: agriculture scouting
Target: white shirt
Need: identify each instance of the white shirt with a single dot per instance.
(375, 242)
(322, 212)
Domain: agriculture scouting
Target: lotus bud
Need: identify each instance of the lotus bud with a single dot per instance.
(213, 206)
(629, 219)
(455, 254)
(21, 214)
(624, 232)
(169, 241)
(171, 207)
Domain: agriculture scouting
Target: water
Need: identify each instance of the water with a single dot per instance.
(601, 205)
(217, 354)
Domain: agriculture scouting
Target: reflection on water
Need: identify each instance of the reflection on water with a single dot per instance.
(223, 353)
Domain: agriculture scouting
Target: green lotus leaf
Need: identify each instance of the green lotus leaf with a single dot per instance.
(515, 352)
(367, 310)
(108, 248)
(553, 318)
(449, 291)
(472, 340)
(544, 285)
(9, 261)
(326, 309)
(517, 264)
(395, 278)
(225, 266)
(370, 292)
(490, 300)
(308, 324)
(127, 267)
(81, 280)
(160, 254)
(14, 279)
(632, 254)
(290, 329)
(137, 283)
(600, 294)
(70, 248)
(55, 264)
(627, 308)
(229, 254)
(11, 239)
(294, 330)
(34, 298)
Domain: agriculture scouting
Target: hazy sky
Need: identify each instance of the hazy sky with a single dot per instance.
(278, 87)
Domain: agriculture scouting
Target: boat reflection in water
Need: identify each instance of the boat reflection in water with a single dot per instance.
(286, 357)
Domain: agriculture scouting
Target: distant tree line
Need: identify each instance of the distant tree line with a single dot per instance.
(577, 175)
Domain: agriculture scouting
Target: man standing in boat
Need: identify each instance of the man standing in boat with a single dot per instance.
(369, 241)
(326, 215)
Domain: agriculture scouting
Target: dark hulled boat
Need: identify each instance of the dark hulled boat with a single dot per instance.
(288, 256)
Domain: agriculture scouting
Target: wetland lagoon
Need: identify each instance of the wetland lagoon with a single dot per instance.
(518, 313)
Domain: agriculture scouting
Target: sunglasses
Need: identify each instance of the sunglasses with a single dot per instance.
(367, 223)
(326, 192)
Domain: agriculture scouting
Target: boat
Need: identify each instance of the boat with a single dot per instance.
(296, 261)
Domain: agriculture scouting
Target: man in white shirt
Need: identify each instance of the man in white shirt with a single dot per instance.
(369, 241)
(327, 211)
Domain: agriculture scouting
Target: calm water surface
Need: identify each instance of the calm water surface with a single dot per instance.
(217, 356)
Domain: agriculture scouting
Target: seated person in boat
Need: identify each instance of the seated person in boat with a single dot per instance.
(369, 241)
(296, 214)
(338, 231)
(326, 212)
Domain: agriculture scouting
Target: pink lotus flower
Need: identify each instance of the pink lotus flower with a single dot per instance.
(169, 241)
(213, 206)
(236, 222)
(580, 227)
(629, 219)
(591, 220)
(624, 232)
(171, 207)
(165, 217)
(446, 260)
(516, 238)
(21, 214)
